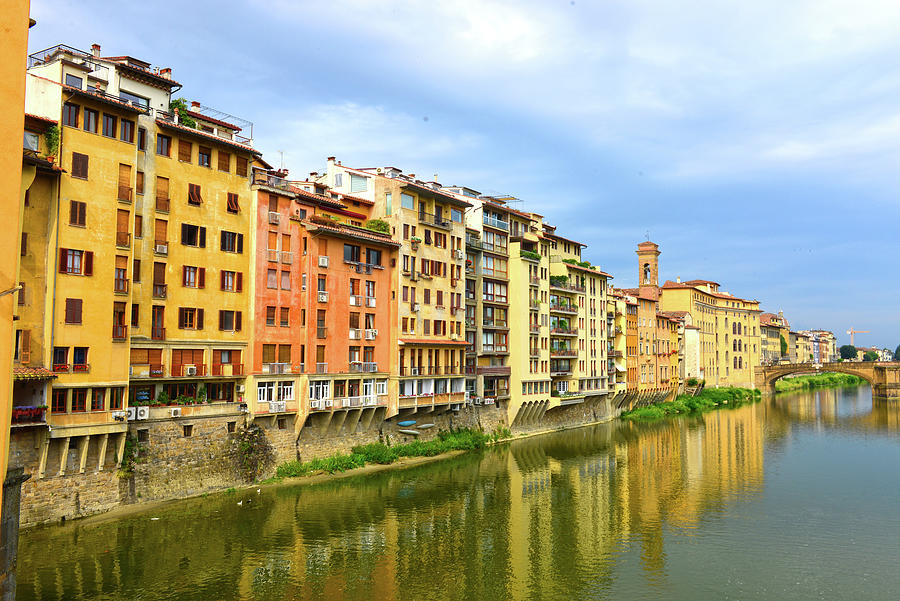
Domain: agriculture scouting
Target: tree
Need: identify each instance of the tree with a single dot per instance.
(870, 356)
(784, 347)
(848, 351)
(897, 353)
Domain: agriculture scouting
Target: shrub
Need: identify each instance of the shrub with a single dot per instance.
(692, 382)
(708, 399)
(179, 105)
(252, 453)
(378, 225)
(529, 255)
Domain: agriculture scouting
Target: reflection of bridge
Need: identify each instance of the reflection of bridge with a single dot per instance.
(884, 377)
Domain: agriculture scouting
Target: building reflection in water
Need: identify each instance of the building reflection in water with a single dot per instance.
(543, 517)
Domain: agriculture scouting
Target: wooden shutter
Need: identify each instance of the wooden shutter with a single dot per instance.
(224, 161)
(122, 219)
(221, 240)
(162, 187)
(25, 340)
(239, 281)
(88, 263)
(136, 270)
(184, 279)
(140, 356)
(159, 273)
(284, 353)
(121, 262)
(139, 182)
(200, 326)
(273, 240)
(222, 280)
(221, 320)
(237, 321)
(159, 229)
(201, 278)
(24, 246)
(240, 243)
(73, 310)
(21, 295)
(268, 353)
(184, 151)
(233, 204)
(63, 252)
(241, 166)
(124, 176)
(184, 231)
(202, 237)
(138, 226)
(79, 165)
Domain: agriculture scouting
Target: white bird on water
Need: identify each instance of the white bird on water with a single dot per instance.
(240, 502)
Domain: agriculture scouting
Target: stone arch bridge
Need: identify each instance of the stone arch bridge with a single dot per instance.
(884, 377)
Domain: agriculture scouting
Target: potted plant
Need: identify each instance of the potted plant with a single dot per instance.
(414, 242)
(51, 137)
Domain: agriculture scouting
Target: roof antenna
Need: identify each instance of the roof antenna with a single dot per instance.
(648, 235)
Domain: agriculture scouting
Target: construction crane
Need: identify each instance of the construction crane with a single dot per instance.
(851, 331)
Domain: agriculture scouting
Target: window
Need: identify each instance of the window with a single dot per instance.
(74, 81)
(109, 125)
(285, 314)
(285, 280)
(190, 318)
(70, 114)
(233, 206)
(230, 321)
(142, 138)
(231, 281)
(79, 400)
(193, 277)
(351, 253)
(31, 141)
(194, 197)
(358, 183)
(135, 315)
(79, 358)
(77, 212)
(407, 201)
(338, 180)
(163, 145)
(76, 262)
(204, 156)
(286, 390)
(126, 131)
(270, 316)
(193, 235)
(224, 161)
(139, 182)
(456, 215)
(91, 119)
(241, 169)
(79, 165)
(272, 279)
(23, 246)
(373, 257)
(73, 310)
(184, 151)
(98, 399)
(134, 98)
(59, 401)
(232, 242)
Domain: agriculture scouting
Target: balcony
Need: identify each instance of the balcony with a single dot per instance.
(227, 369)
(321, 368)
(494, 298)
(272, 255)
(558, 331)
(276, 368)
(287, 257)
(162, 204)
(119, 332)
(26, 415)
(534, 281)
(495, 393)
(355, 300)
(470, 323)
(534, 304)
(120, 286)
(370, 302)
(160, 290)
(363, 367)
(60, 368)
(371, 334)
(563, 283)
(355, 334)
(188, 370)
(563, 352)
(534, 328)
(495, 223)
(123, 239)
(563, 308)
(81, 368)
(493, 370)
(494, 348)
(560, 369)
(158, 333)
(437, 220)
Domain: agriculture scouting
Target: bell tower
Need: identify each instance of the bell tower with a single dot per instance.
(648, 264)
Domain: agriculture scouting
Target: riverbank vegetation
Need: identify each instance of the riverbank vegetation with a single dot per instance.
(464, 439)
(685, 404)
(817, 381)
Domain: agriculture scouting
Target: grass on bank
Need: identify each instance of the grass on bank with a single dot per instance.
(707, 400)
(817, 381)
(464, 439)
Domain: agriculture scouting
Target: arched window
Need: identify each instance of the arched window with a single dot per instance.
(734, 328)
(740, 345)
(735, 362)
(739, 328)
(740, 363)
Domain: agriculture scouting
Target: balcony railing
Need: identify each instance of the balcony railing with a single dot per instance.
(160, 290)
(287, 257)
(264, 178)
(470, 322)
(494, 348)
(28, 415)
(321, 368)
(218, 369)
(123, 239)
(563, 307)
(355, 334)
(61, 367)
(124, 194)
(272, 255)
(81, 368)
(363, 367)
(188, 370)
(558, 331)
(534, 328)
(494, 298)
(495, 323)
(158, 333)
(534, 281)
(162, 204)
(563, 352)
(119, 332)
(321, 332)
(497, 223)
(120, 285)
(370, 302)
(356, 300)
(432, 219)
(567, 285)
(470, 370)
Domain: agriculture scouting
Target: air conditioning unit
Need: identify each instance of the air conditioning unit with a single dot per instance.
(414, 371)
(277, 406)
(415, 308)
(314, 404)
(175, 412)
(459, 254)
(162, 249)
(274, 218)
(239, 388)
(355, 334)
(323, 261)
(244, 407)
(323, 296)
(130, 413)
(119, 416)
(142, 412)
(488, 401)
(190, 370)
(476, 400)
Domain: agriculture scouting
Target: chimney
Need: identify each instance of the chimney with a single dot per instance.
(313, 174)
(412, 176)
(166, 73)
(678, 280)
(95, 50)
(195, 104)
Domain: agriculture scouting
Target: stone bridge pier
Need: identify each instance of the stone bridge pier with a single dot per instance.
(884, 377)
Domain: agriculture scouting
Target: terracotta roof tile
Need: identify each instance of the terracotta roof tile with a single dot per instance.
(23, 372)
(433, 342)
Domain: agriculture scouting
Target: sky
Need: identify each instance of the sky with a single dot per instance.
(756, 142)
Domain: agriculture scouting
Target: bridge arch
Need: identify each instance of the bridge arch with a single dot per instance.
(766, 376)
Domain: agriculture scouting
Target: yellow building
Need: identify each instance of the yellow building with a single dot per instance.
(618, 368)
(145, 234)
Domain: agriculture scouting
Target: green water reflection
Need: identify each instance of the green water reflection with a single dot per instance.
(696, 508)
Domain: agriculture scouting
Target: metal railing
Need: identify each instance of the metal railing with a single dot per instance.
(162, 204)
(321, 368)
(160, 290)
(157, 333)
(494, 222)
(120, 285)
(119, 332)
(432, 219)
(123, 239)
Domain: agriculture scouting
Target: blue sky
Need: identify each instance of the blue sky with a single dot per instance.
(757, 142)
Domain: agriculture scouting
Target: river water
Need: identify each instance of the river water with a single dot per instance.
(795, 497)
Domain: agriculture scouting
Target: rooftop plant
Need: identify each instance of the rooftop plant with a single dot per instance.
(179, 106)
(529, 255)
(378, 225)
